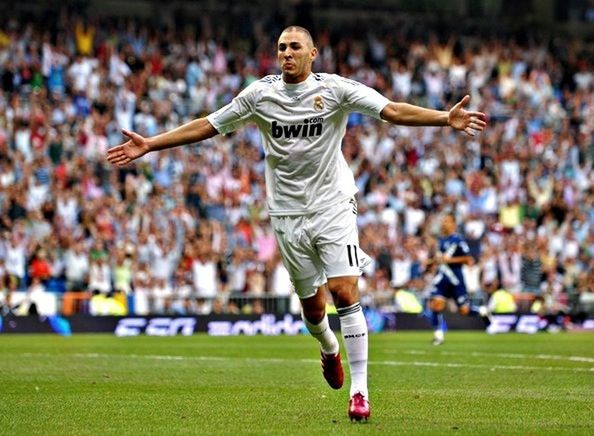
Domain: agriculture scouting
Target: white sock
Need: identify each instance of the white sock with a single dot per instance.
(324, 334)
(354, 332)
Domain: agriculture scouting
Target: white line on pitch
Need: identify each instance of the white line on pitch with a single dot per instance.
(278, 360)
(505, 355)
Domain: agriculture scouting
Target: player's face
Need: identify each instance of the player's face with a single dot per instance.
(448, 225)
(295, 56)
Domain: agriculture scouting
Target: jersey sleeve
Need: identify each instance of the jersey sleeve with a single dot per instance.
(237, 113)
(356, 97)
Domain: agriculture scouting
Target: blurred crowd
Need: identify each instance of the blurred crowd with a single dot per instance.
(186, 231)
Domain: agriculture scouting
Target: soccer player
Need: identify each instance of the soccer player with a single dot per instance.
(302, 117)
(452, 254)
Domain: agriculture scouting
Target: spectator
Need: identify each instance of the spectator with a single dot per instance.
(237, 273)
(122, 272)
(531, 274)
(204, 271)
(100, 275)
(510, 264)
(40, 267)
(141, 284)
(15, 258)
(162, 295)
(401, 272)
(76, 262)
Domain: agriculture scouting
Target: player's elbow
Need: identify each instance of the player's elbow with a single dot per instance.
(391, 113)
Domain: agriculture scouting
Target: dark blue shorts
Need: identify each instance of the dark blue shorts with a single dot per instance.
(446, 289)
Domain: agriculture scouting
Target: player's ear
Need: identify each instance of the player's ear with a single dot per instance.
(313, 54)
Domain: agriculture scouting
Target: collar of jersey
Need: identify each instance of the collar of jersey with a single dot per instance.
(300, 85)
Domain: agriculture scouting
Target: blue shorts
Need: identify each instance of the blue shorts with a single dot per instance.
(444, 288)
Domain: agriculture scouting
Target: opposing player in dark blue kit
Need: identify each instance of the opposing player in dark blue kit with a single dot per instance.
(452, 254)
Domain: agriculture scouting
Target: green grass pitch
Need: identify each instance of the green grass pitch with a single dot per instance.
(473, 384)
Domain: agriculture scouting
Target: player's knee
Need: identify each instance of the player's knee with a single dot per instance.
(437, 304)
(314, 307)
(313, 316)
(344, 291)
(464, 310)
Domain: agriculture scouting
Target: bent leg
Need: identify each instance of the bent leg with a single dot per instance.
(315, 319)
(354, 329)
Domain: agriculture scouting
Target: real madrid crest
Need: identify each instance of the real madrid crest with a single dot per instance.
(318, 103)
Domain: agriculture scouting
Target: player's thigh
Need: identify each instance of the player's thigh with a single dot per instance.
(337, 240)
(298, 255)
(462, 299)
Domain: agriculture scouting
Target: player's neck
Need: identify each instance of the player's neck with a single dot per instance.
(296, 80)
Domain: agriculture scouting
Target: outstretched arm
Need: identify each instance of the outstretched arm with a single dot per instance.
(460, 119)
(137, 145)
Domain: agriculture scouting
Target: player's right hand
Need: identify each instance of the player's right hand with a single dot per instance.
(130, 150)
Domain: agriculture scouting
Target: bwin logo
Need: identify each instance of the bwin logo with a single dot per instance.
(308, 128)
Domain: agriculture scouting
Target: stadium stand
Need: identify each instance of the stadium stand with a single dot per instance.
(186, 232)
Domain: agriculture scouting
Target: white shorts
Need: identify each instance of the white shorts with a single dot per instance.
(319, 246)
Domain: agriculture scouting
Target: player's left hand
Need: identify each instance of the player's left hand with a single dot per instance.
(469, 121)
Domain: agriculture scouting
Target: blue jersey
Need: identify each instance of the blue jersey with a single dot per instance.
(453, 246)
(449, 281)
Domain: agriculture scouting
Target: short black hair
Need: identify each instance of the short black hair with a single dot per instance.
(302, 30)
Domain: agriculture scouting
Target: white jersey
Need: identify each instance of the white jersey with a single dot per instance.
(302, 127)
